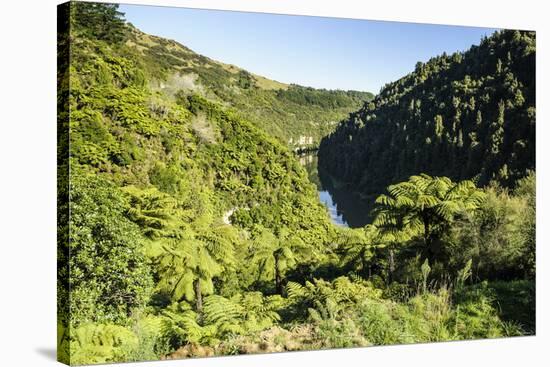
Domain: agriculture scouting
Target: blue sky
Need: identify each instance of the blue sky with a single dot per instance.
(319, 52)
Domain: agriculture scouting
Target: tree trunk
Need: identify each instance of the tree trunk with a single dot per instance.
(391, 266)
(363, 265)
(426, 232)
(278, 280)
(430, 253)
(198, 294)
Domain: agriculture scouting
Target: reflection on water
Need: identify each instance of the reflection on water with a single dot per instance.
(337, 218)
(346, 208)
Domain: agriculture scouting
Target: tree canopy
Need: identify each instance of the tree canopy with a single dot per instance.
(468, 115)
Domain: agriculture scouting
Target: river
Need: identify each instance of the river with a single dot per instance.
(346, 208)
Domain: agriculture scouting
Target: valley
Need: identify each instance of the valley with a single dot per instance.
(204, 210)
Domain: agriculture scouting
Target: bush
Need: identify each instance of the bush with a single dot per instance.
(494, 238)
(109, 277)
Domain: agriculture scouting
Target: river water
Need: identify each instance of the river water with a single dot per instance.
(346, 208)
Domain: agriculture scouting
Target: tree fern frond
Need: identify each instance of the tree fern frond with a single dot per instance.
(295, 290)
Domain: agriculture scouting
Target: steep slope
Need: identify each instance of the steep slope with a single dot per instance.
(151, 177)
(296, 115)
(128, 131)
(467, 115)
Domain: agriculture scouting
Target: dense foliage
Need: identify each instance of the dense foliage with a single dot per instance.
(466, 115)
(187, 230)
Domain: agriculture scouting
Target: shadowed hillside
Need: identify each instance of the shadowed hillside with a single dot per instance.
(467, 115)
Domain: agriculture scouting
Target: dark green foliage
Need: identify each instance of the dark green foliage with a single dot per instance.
(464, 116)
(63, 269)
(526, 188)
(98, 21)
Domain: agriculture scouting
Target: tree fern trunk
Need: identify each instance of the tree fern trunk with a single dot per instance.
(278, 280)
(391, 266)
(198, 294)
(430, 253)
(363, 264)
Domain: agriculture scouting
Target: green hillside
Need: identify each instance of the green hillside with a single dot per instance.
(467, 115)
(188, 228)
(284, 111)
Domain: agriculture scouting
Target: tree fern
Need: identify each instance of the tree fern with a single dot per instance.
(358, 246)
(274, 255)
(180, 325)
(425, 206)
(152, 210)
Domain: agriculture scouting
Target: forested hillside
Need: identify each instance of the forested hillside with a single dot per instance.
(467, 115)
(286, 112)
(187, 226)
